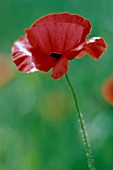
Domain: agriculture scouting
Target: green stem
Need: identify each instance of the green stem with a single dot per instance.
(82, 126)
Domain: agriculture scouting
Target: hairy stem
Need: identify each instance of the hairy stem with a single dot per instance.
(82, 127)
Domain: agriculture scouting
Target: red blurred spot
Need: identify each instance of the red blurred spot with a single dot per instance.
(6, 71)
(107, 90)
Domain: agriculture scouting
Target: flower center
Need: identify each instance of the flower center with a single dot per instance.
(56, 55)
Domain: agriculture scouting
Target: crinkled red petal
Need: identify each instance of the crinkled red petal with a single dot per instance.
(66, 18)
(22, 55)
(95, 47)
(58, 32)
(55, 37)
(60, 68)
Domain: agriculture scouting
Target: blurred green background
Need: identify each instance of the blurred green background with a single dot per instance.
(38, 124)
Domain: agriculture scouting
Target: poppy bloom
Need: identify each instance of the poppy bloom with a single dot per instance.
(52, 41)
(107, 90)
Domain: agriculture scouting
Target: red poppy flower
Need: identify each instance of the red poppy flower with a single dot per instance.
(107, 90)
(54, 40)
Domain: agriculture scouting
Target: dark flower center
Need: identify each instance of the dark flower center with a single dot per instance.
(55, 55)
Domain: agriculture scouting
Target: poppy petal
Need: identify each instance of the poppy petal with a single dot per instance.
(60, 68)
(58, 32)
(77, 52)
(43, 62)
(81, 54)
(95, 47)
(66, 18)
(55, 37)
(22, 55)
